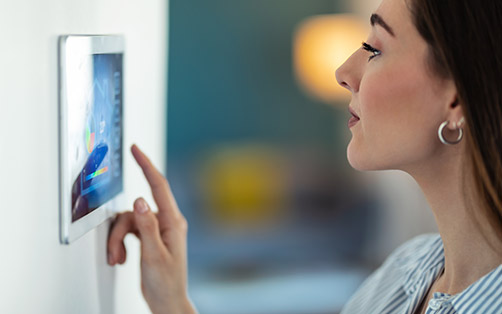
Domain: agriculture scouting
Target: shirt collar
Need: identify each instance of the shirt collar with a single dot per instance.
(485, 293)
(431, 259)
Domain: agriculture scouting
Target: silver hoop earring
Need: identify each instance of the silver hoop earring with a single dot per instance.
(443, 140)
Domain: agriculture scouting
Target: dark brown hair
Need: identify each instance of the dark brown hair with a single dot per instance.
(465, 44)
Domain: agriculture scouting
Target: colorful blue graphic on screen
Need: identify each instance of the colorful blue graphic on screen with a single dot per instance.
(101, 177)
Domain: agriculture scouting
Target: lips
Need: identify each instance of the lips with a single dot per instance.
(353, 113)
(354, 119)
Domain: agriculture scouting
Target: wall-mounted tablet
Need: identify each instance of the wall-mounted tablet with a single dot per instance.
(91, 127)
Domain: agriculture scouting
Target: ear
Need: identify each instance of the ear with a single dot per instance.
(454, 112)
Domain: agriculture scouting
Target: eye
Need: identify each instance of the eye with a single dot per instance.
(375, 52)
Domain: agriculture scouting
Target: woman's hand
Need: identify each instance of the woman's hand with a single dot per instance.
(163, 244)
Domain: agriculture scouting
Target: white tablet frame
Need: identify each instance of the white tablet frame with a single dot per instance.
(78, 46)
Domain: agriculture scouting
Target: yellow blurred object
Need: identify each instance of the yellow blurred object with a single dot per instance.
(245, 185)
(321, 44)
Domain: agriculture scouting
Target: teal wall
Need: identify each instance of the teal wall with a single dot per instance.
(231, 85)
(231, 77)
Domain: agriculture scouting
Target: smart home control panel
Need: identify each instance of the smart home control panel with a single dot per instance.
(91, 128)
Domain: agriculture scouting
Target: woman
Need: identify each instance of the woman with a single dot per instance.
(426, 99)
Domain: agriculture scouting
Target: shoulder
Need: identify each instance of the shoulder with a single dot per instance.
(412, 258)
(391, 280)
(414, 250)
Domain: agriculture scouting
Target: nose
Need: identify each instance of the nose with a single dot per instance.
(349, 74)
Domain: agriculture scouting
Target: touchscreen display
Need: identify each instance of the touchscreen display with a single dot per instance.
(94, 95)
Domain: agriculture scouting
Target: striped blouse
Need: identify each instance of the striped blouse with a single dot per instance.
(401, 283)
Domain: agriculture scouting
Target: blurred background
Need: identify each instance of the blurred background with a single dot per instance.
(256, 156)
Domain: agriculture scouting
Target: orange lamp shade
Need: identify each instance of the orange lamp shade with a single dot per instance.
(321, 44)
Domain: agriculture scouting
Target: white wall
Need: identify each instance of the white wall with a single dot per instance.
(37, 274)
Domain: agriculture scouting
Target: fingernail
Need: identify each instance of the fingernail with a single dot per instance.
(110, 258)
(142, 206)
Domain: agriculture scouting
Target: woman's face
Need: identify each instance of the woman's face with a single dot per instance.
(399, 101)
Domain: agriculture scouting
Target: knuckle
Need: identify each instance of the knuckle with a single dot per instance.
(122, 217)
(182, 223)
(163, 183)
(116, 226)
(160, 179)
(115, 220)
(150, 225)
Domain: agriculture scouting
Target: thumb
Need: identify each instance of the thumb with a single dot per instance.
(148, 228)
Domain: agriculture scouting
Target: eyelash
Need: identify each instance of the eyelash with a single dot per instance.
(375, 52)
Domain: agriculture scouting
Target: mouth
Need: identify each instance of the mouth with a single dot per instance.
(354, 119)
(353, 113)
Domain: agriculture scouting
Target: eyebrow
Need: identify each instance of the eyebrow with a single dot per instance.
(377, 20)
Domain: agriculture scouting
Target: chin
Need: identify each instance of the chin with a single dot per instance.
(355, 159)
(358, 165)
(362, 161)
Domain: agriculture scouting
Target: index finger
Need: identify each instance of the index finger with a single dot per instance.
(168, 209)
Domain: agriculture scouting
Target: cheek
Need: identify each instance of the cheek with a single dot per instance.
(392, 94)
(396, 105)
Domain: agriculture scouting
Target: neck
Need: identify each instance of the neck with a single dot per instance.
(468, 241)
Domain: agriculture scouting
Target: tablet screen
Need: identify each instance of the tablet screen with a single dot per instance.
(94, 89)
